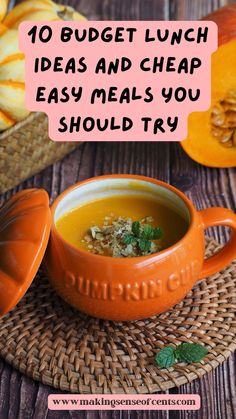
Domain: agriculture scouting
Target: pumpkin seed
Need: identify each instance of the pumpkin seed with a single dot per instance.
(223, 120)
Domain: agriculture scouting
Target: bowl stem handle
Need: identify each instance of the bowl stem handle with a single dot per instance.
(212, 217)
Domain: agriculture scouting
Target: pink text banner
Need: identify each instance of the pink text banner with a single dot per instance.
(118, 81)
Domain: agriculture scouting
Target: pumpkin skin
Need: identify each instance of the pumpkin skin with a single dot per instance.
(12, 60)
(12, 68)
(12, 76)
(8, 42)
(5, 121)
(40, 10)
(12, 100)
(200, 144)
(3, 9)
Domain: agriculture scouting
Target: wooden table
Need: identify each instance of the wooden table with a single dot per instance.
(23, 398)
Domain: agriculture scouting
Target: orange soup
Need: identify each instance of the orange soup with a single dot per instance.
(74, 225)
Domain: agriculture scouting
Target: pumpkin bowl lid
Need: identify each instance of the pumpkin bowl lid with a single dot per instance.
(25, 223)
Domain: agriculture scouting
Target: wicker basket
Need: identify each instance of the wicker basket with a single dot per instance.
(26, 149)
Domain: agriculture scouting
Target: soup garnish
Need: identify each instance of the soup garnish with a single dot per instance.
(84, 225)
(122, 237)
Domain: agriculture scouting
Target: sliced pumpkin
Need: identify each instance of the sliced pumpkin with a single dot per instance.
(211, 137)
(12, 100)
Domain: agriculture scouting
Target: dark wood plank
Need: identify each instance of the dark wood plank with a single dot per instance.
(193, 10)
(21, 397)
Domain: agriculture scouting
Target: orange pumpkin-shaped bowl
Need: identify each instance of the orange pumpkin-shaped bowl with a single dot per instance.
(102, 286)
(135, 287)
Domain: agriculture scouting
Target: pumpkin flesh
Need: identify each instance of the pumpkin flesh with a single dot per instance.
(211, 141)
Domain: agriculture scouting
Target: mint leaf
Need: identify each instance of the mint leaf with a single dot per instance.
(151, 233)
(143, 236)
(156, 233)
(190, 352)
(144, 245)
(129, 239)
(136, 228)
(147, 232)
(165, 358)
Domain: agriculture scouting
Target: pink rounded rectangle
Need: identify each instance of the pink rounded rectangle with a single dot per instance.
(124, 402)
(109, 81)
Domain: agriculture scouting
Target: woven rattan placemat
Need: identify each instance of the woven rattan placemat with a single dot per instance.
(49, 341)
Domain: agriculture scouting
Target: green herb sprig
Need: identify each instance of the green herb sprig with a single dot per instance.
(142, 236)
(185, 352)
